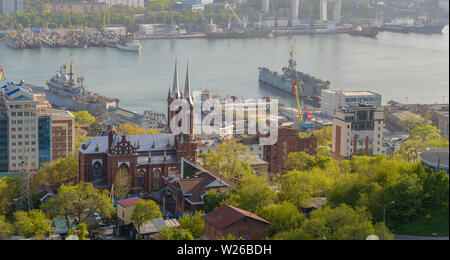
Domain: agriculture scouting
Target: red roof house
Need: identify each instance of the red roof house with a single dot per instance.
(227, 220)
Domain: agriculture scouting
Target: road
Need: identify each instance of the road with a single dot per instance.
(407, 237)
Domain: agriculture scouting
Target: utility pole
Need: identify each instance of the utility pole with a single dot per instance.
(24, 202)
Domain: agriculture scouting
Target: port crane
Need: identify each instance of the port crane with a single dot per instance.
(304, 124)
(244, 24)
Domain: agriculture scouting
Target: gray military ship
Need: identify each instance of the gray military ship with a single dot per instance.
(310, 87)
(67, 91)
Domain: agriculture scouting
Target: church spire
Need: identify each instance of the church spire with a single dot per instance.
(176, 88)
(187, 86)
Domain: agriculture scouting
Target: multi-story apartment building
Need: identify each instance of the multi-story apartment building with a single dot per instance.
(288, 142)
(85, 7)
(334, 99)
(25, 128)
(10, 6)
(63, 134)
(357, 130)
(129, 3)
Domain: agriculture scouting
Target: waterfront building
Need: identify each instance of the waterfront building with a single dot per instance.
(63, 134)
(188, 5)
(438, 116)
(357, 130)
(84, 6)
(25, 128)
(394, 120)
(435, 159)
(116, 116)
(333, 99)
(288, 142)
(10, 6)
(323, 11)
(129, 3)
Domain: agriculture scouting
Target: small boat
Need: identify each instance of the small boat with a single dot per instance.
(367, 32)
(126, 43)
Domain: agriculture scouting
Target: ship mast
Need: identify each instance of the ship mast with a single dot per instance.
(74, 74)
(292, 62)
(68, 64)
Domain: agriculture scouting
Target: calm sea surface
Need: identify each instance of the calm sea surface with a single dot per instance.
(398, 66)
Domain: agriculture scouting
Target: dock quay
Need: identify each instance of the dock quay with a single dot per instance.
(62, 38)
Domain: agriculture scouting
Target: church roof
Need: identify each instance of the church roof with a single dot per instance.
(153, 142)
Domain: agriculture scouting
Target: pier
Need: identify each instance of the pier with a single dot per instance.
(62, 38)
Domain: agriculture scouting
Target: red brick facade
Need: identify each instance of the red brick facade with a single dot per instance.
(228, 220)
(246, 228)
(288, 142)
(145, 167)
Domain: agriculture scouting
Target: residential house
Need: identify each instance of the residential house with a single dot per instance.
(228, 220)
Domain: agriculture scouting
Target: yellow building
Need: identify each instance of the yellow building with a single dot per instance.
(125, 209)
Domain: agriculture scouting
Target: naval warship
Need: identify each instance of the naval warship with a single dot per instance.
(67, 91)
(310, 87)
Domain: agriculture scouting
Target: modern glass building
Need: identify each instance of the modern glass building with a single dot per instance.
(3, 144)
(45, 139)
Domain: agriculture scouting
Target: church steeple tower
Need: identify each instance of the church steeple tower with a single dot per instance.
(176, 85)
(187, 85)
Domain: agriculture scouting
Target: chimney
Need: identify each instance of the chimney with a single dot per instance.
(110, 136)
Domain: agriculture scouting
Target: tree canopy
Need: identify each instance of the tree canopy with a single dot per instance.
(144, 211)
(80, 201)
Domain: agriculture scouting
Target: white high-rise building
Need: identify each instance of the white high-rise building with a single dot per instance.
(337, 11)
(323, 11)
(357, 130)
(295, 5)
(130, 3)
(265, 6)
(26, 128)
(10, 6)
(333, 99)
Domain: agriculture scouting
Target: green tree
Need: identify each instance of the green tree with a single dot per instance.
(297, 234)
(215, 199)
(83, 118)
(131, 129)
(408, 199)
(436, 189)
(10, 189)
(298, 187)
(80, 201)
(253, 192)
(324, 136)
(122, 183)
(82, 231)
(63, 171)
(173, 233)
(229, 159)
(144, 211)
(32, 224)
(340, 223)
(194, 224)
(283, 217)
(6, 229)
(302, 161)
